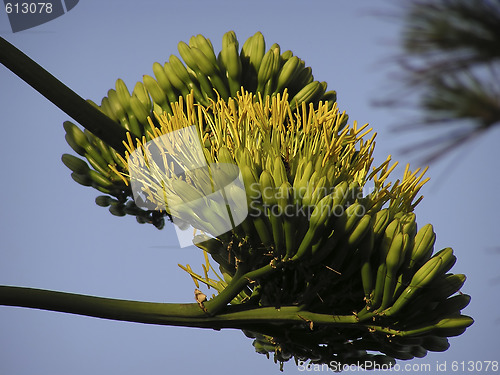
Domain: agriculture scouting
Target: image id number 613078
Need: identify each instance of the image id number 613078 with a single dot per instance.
(28, 8)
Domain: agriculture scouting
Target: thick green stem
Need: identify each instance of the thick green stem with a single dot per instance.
(187, 315)
(62, 96)
(237, 284)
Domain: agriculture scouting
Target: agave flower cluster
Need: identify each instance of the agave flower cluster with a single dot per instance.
(320, 254)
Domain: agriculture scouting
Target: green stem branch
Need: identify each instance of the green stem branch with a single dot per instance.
(237, 284)
(174, 314)
(62, 96)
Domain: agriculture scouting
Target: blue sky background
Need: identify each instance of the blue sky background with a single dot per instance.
(53, 236)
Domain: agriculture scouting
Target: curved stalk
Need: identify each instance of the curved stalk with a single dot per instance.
(174, 314)
(237, 284)
(62, 96)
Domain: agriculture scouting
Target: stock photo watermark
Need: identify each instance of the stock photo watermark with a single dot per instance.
(257, 195)
(172, 171)
(24, 15)
(459, 367)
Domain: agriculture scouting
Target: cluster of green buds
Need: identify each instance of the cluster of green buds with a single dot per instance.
(246, 153)
(208, 76)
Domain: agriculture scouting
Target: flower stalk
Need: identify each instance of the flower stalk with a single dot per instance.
(173, 314)
(62, 96)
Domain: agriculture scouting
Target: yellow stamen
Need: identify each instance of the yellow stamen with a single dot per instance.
(268, 128)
